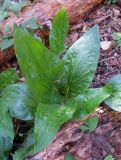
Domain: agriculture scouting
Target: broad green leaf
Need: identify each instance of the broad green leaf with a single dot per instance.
(27, 149)
(93, 97)
(92, 123)
(48, 120)
(8, 77)
(69, 156)
(39, 38)
(17, 97)
(110, 157)
(114, 101)
(39, 65)
(89, 100)
(81, 61)
(59, 31)
(6, 43)
(3, 156)
(3, 105)
(6, 132)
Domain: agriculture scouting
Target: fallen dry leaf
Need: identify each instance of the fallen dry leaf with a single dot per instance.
(105, 45)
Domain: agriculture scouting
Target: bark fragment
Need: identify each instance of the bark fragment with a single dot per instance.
(105, 140)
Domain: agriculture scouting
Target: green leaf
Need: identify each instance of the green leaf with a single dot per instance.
(7, 29)
(89, 100)
(39, 38)
(117, 38)
(31, 23)
(6, 131)
(6, 43)
(3, 15)
(39, 65)
(59, 31)
(81, 61)
(92, 123)
(17, 97)
(69, 157)
(84, 128)
(114, 101)
(14, 6)
(110, 157)
(27, 149)
(8, 77)
(48, 120)
(3, 156)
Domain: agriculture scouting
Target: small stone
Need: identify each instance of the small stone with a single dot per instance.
(105, 45)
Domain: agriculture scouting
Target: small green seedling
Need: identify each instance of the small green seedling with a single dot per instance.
(117, 38)
(90, 124)
(110, 157)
